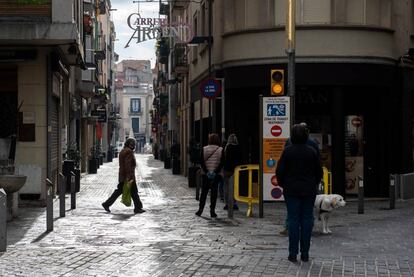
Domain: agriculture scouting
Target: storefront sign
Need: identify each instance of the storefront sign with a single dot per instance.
(276, 130)
(101, 114)
(154, 28)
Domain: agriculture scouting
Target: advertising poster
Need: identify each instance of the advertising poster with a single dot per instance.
(354, 152)
(276, 130)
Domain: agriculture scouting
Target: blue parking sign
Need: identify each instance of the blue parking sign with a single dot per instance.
(276, 109)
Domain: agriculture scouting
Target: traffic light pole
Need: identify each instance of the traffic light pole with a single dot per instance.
(291, 37)
(291, 83)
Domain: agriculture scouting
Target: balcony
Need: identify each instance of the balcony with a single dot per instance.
(44, 22)
(25, 8)
(100, 55)
(180, 61)
(134, 112)
(164, 9)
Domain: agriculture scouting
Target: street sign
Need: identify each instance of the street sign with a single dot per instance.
(276, 130)
(210, 88)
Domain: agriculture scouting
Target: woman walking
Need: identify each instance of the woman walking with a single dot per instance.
(299, 172)
(211, 164)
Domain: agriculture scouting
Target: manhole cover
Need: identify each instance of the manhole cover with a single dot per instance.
(102, 241)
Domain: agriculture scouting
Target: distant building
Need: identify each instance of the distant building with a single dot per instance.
(134, 90)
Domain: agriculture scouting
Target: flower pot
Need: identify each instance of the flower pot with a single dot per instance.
(92, 166)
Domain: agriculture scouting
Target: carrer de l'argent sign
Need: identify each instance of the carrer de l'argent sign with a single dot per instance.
(153, 28)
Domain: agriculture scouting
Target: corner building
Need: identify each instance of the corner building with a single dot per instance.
(354, 79)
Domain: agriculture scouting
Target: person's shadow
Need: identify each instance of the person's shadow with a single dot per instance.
(122, 217)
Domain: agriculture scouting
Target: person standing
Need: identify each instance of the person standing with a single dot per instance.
(232, 158)
(312, 143)
(127, 165)
(299, 172)
(211, 165)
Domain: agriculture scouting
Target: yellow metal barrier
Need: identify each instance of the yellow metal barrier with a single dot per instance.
(253, 188)
(327, 181)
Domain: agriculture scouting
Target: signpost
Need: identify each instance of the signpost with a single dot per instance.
(275, 130)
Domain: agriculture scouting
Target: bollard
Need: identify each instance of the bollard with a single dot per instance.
(360, 195)
(72, 191)
(198, 183)
(62, 191)
(49, 205)
(3, 220)
(230, 199)
(392, 191)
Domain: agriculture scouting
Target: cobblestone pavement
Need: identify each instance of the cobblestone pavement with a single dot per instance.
(169, 240)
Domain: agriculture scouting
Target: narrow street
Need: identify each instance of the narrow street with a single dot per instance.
(169, 240)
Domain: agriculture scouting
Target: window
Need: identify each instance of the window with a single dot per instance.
(135, 105)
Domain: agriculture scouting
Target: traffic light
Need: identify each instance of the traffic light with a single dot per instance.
(277, 82)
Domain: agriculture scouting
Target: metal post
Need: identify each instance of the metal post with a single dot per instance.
(392, 191)
(360, 195)
(230, 197)
(261, 208)
(49, 205)
(62, 192)
(290, 50)
(223, 109)
(198, 183)
(72, 191)
(3, 220)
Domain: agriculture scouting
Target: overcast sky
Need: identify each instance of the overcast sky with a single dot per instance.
(144, 50)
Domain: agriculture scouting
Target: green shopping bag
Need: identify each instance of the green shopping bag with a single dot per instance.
(126, 194)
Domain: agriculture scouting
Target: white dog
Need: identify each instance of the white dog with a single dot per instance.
(324, 205)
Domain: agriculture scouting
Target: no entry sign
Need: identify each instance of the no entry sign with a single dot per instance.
(210, 88)
(276, 130)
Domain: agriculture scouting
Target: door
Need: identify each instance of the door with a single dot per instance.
(354, 152)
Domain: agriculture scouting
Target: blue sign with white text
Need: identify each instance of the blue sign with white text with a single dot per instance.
(210, 88)
(276, 109)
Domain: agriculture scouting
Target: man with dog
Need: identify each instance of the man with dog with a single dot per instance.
(299, 172)
(315, 146)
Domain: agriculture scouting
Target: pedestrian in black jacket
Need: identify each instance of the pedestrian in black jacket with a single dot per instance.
(299, 172)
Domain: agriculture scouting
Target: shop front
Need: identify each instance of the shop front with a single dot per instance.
(356, 112)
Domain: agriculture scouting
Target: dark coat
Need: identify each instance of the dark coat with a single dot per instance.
(232, 157)
(127, 165)
(299, 170)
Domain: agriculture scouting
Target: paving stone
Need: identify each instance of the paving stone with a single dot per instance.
(169, 240)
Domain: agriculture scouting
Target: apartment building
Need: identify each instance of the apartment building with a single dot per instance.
(134, 89)
(50, 83)
(354, 79)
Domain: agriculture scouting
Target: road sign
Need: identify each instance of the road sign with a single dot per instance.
(210, 88)
(356, 121)
(276, 130)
